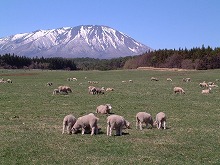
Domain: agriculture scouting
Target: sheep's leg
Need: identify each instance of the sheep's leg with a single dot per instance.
(137, 123)
(159, 125)
(83, 131)
(64, 126)
(164, 125)
(108, 129)
(120, 131)
(140, 125)
(93, 130)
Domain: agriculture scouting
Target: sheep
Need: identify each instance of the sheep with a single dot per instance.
(92, 90)
(9, 81)
(104, 109)
(212, 86)
(178, 90)
(74, 79)
(49, 84)
(160, 120)
(55, 91)
(131, 81)
(205, 91)
(154, 79)
(169, 79)
(186, 79)
(100, 90)
(123, 81)
(64, 89)
(203, 84)
(68, 123)
(143, 117)
(116, 122)
(109, 89)
(87, 121)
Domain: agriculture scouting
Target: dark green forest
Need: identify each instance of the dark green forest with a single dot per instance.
(199, 58)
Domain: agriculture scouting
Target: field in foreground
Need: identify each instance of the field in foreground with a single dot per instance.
(31, 118)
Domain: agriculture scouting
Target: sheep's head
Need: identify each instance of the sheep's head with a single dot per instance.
(155, 124)
(127, 124)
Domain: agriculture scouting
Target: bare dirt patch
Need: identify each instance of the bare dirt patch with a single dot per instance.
(19, 74)
(164, 69)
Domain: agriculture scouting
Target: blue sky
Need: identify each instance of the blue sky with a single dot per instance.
(158, 24)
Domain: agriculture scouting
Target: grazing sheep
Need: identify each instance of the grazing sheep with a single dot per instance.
(212, 86)
(123, 81)
(49, 84)
(55, 91)
(64, 89)
(86, 122)
(186, 79)
(92, 90)
(210, 83)
(203, 84)
(178, 90)
(160, 120)
(169, 79)
(100, 90)
(116, 122)
(205, 91)
(68, 123)
(104, 109)
(9, 81)
(109, 89)
(131, 81)
(74, 79)
(143, 117)
(154, 79)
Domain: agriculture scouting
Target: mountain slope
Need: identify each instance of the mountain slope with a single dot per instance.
(82, 41)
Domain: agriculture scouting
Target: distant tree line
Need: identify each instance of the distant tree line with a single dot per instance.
(195, 58)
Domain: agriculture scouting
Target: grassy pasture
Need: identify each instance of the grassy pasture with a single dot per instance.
(31, 118)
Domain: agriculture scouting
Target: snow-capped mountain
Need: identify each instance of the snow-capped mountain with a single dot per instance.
(71, 42)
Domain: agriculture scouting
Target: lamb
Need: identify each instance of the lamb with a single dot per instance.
(92, 90)
(55, 91)
(9, 81)
(100, 90)
(205, 91)
(87, 121)
(169, 79)
(186, 79)
(131, 81)
(178, 90)
(143, 117)
(104, 109)
(68, 123)
(160, 120)
(116, 122)
(49, 84)
(203, 84)
(64, 89)
(154, 79)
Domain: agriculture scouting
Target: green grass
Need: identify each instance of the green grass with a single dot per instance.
(31, 118)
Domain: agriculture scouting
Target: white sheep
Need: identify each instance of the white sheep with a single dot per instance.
(104, 109)
(169, 79)
(89, 121)
(143, 117)
(131, 81)
(64, 89)
(186, 79)
(178, 90)
(203, 84)
(68, 123)
(116, 122)
(154, 79)
(100, 90)
(74, 79)
(92, 90)
(49, 83)
(160, 120)
(9, 81)
(205, 91)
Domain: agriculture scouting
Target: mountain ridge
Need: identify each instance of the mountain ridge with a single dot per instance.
(92, 41)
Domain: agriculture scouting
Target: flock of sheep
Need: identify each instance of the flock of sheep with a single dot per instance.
(89, 123)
